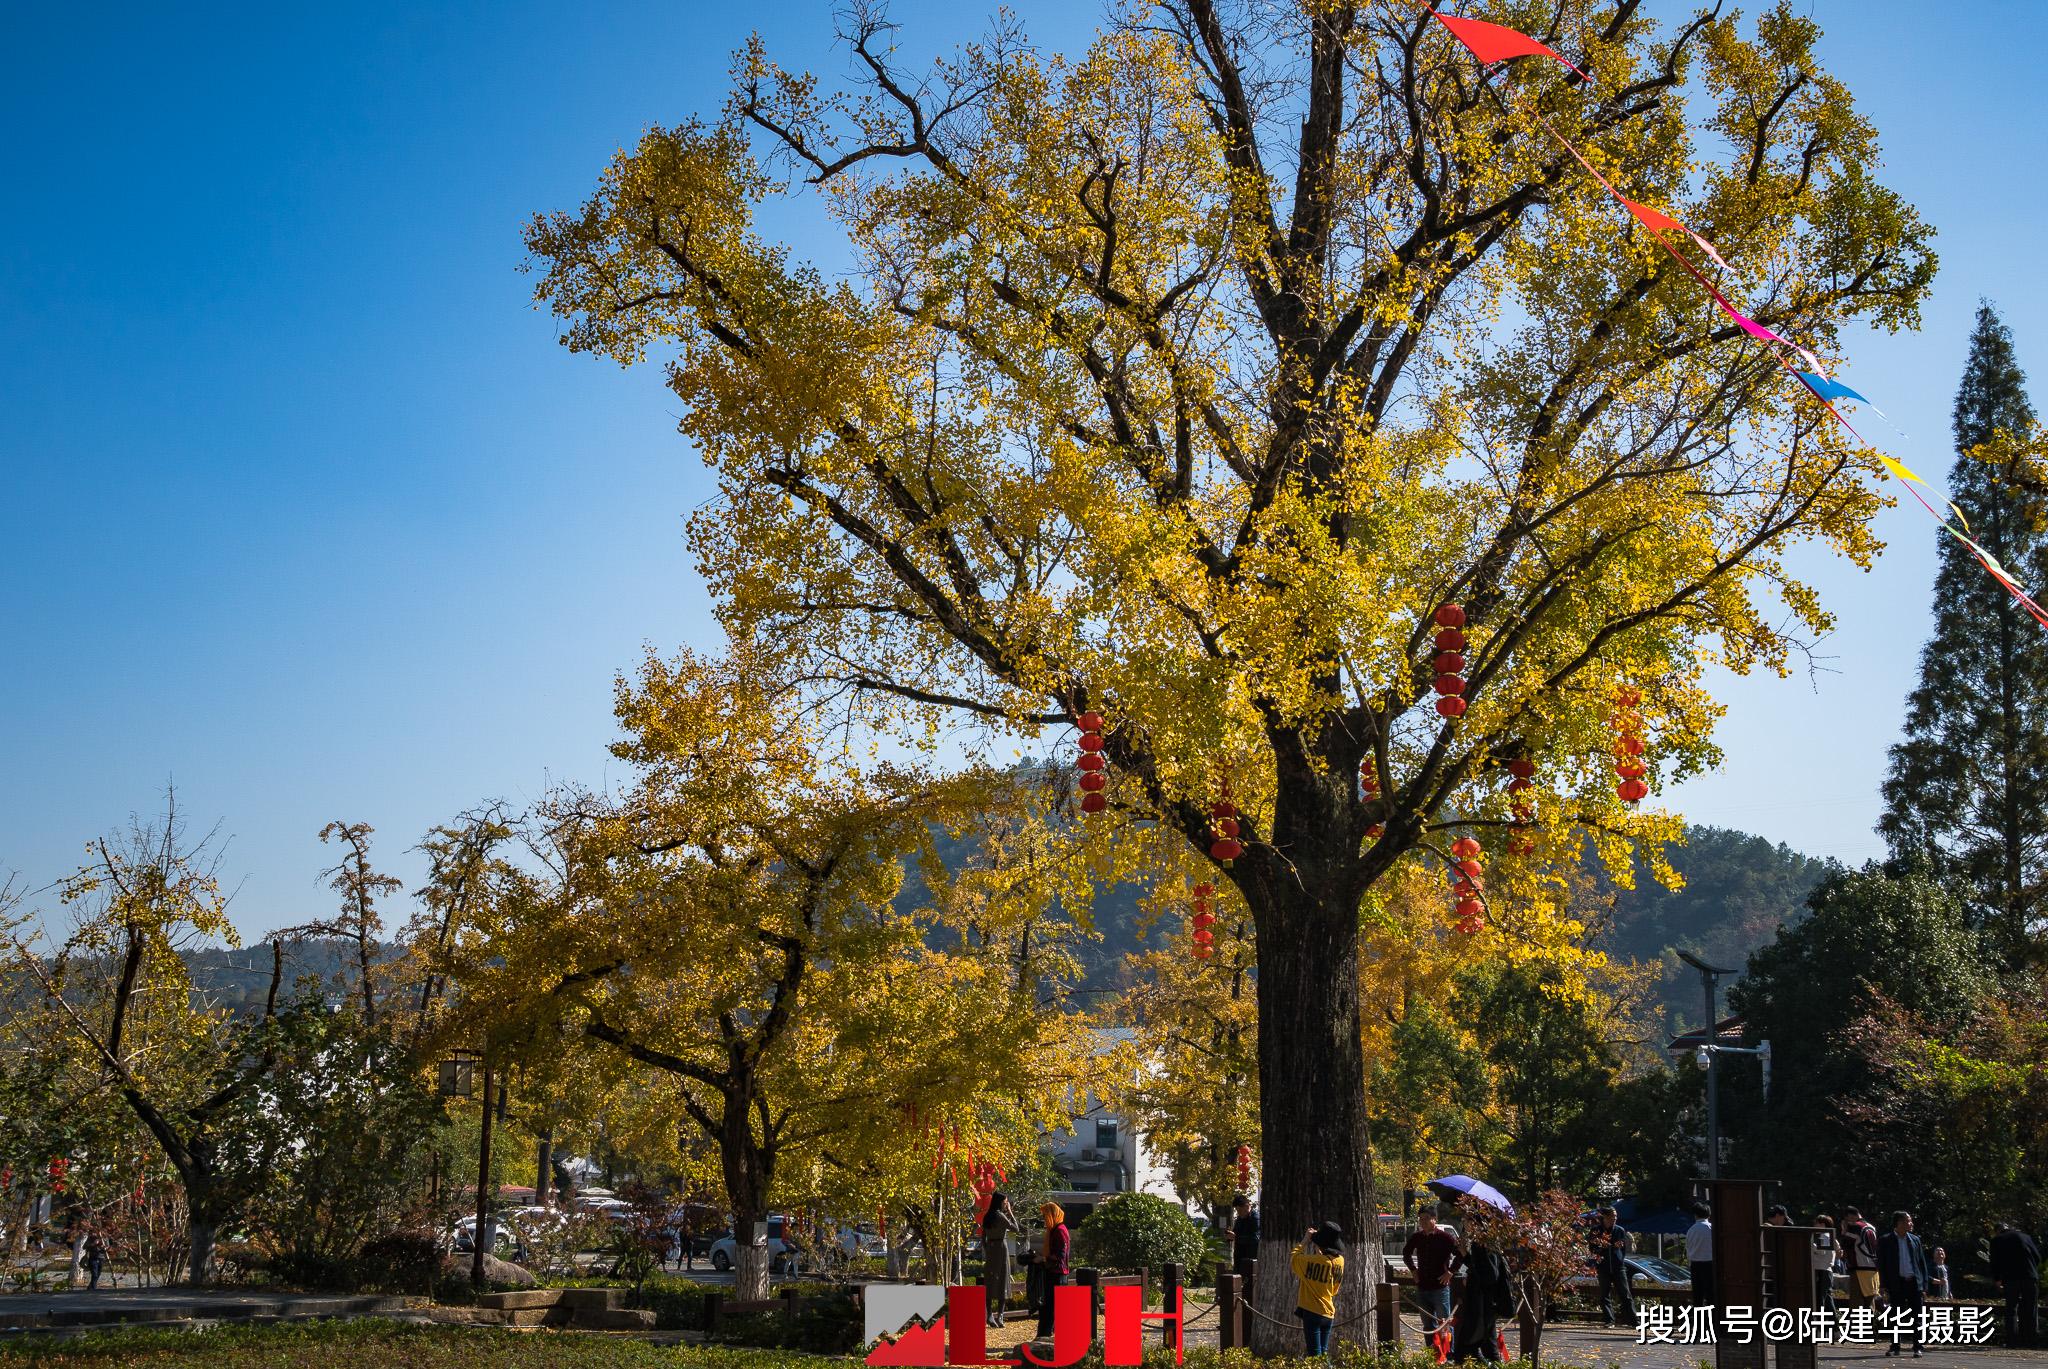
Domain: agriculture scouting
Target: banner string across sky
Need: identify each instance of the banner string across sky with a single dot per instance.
(1490, 43)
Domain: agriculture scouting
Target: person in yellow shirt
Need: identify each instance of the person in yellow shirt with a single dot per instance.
(1319, 1270)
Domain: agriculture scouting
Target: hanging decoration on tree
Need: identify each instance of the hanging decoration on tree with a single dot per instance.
(1223, 826)
(1244, 1168)
(1490, 43)
(984, 1184)
(1450, 660)
(1093, 764)
(1369, 789)
(60, 1167)
(1467, 884)
(1628, 746)
(1522, 804)
(1203, 921)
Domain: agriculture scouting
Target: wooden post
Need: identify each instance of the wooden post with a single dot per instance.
(1529, 1323)
(1389, 1312)
(712, 1303)
(1169, 1293)
(1738, 1207)
(1229, 1316)
(789, 1297)
(483, 1190)
(1091, 1279)
(1251, 1280)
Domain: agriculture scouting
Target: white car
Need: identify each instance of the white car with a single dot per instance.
(725, 1251)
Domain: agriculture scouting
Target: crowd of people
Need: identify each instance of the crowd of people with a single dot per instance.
(1893, 1269)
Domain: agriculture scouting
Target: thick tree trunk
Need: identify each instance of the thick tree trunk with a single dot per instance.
(543, 1167)
(1315, 1160)
(750, 1266)
(749, 1168)
(200, 1234)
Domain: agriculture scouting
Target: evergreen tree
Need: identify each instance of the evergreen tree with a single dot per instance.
(1969, 783)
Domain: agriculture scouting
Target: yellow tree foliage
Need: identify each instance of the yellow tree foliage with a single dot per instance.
(119, 992)
(1183, 378)
(730, 922)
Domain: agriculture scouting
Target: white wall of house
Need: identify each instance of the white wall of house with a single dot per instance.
(1100, 1153)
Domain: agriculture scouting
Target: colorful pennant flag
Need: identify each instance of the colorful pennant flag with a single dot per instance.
(1490, 43)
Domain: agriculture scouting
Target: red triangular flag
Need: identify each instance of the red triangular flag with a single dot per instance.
(1492, 43)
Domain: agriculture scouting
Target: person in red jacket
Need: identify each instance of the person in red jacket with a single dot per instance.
(1429, 1254)
(1059, 1243)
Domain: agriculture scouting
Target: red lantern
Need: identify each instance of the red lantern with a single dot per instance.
(1091, 760)
(1450, 615)
(1452, 707)
(1200, 952)
(1522, 769)
(1520, 786)
(1093, 803)
(1450, 639)
(1466, 848)
(1449, 662)
(1204, 890)
(1204, 919)
(1472, 868)
(1203, 936)
(1468, 907)
(1223, 823)
(1089, 722)
(1375, 832)
(1628, 745)
(1450, 684)
(1094, 781)
(1090, 742)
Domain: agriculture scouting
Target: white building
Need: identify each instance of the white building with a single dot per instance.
(1100, 1153)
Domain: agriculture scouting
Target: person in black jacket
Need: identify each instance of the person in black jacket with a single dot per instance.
(1244, 1240)
(1902, 1266)
(1489, 1296)
(2016, 1264)
(1610, 1262)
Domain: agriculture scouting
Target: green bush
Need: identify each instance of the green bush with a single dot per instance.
(1133, 1231)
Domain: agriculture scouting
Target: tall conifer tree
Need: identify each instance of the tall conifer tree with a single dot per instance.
(1968, 788)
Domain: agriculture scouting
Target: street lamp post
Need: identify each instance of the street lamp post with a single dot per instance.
(1710, 976)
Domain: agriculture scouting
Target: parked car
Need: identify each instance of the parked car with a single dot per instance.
(725, 1250)
(1645, 1272)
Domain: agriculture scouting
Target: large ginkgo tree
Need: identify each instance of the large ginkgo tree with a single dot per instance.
(1183, 379)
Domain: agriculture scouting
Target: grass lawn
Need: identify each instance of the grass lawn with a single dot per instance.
(382, 1345)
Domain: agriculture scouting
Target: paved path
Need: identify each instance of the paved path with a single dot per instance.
(1591, 1345)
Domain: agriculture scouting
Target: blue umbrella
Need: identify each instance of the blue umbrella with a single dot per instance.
(1465, 1186)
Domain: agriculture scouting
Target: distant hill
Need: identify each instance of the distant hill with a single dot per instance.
(239, 978)
(1739, 889)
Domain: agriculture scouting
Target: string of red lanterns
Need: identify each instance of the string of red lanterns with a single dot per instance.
(1468, 884)
(1093, 764)
(1244, 1168)
(1628, 746)
(1522, 804)
(1450, 660)
(1225, 847)
(1204, 922)
(1369, 789)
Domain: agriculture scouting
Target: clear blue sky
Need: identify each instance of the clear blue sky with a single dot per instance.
(304, 508)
